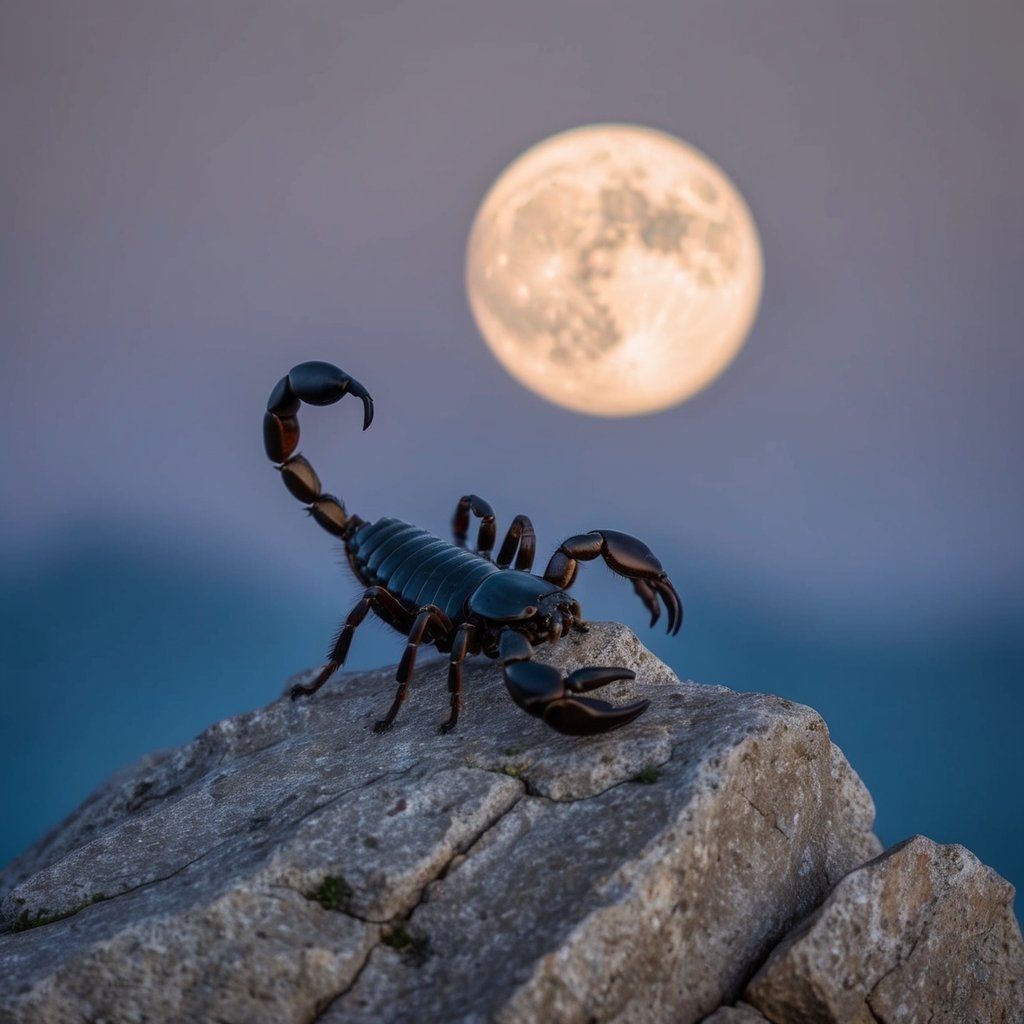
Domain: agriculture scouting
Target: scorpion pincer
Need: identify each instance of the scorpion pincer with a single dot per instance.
(462, 601)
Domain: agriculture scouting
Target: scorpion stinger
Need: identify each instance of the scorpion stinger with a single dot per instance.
(315, 383)
(458, 600)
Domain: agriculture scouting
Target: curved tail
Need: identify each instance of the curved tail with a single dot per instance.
(315, 383)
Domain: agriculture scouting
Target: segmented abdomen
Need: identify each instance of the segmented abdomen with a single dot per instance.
(416, 566)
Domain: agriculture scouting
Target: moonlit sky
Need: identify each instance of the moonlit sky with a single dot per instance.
(198, 195)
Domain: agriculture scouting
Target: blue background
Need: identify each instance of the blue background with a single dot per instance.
(198, 195)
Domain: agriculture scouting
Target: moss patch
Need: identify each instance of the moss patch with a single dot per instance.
(647, 776)
(25, 920)
(516, 770)
(331, 893)
(401, 939)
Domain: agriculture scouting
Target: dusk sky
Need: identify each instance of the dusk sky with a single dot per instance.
(198, 195)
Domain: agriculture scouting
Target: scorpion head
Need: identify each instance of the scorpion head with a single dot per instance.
(537, 608)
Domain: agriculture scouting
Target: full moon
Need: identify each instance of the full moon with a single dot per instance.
(614, 269)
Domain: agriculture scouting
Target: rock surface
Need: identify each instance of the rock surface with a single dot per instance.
(924, 933)
(741, 1013)
(291, 865)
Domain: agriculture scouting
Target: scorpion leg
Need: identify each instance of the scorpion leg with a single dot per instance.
(460, 523)
(520, 541)
(428, 616)
(386, 606)
(543, 692)
(460, 648)
(626, 556)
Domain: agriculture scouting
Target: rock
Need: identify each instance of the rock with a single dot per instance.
(923, 933)
(741, 1013)
(289, 864)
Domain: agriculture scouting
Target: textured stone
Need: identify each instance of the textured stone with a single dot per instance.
(741, 1013)
(924, 933)
(290, 863)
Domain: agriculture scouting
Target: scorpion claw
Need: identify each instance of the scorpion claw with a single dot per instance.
(626, 556)
(590, 678)
(672, 603)
(542, 691)
(584, 716)
(647, 594)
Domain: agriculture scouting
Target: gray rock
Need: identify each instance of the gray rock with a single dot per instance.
(289, 863)
(925, 933)
(741, 1013)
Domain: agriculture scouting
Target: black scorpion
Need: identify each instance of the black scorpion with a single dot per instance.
(458, 600)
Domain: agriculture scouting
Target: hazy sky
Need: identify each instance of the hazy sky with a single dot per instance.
(196, 195)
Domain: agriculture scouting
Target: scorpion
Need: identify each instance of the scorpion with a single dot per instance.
(462, 601)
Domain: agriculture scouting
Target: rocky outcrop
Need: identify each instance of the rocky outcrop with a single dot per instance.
(291, 865)
(924, 933)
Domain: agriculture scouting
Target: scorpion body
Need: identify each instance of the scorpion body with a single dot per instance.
(461, 601)
(417, 567)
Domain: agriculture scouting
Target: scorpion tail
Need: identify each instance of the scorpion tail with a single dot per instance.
(315, 383)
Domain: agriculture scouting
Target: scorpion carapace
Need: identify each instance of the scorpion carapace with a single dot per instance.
(462, 601)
